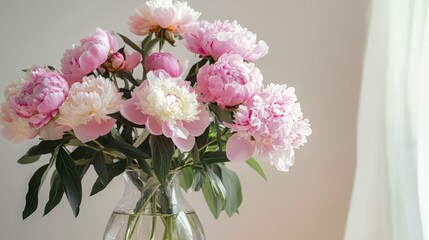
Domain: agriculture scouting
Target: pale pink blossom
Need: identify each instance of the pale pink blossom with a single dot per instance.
(15, 128)
(87, 56)
(229, 82)
(132, 60)
(269, 127)
(167, 14)
(163, 61)
(40, 97)
(87, 108)
(169, 106)
(53, 130)
(214, 39)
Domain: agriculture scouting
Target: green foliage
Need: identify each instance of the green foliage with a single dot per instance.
(255, 166)
(32, 199)
(130, 43)
(232, 185)
(70, 179)
(128, 150)
(192, 75)
(113, 170)
(162, 154)
(221, 115)
(55, 194)
(99, 163)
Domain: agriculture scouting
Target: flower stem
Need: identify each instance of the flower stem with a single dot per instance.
(213, 141)
(115, 81)
(154, 216)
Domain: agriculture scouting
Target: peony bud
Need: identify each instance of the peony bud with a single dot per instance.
(163, 61)
(115, 62)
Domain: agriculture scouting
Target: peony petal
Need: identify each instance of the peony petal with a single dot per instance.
(179, 130)
(39, 120)
(167, 130)
(239, 149)
(130, 111)
(196, 128)
(164, 16)
(51, 103)
(92, 129)
(184, 144)
(93, 58)
(153, 126)
(52, 131)
(132, 60)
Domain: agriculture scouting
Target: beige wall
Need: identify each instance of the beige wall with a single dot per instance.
(316, 46)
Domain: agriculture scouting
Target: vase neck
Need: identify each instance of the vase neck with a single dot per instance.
(145, 195)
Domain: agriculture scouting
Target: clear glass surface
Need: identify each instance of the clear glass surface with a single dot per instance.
(150, 211)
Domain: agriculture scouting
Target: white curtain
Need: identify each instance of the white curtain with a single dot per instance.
(390, 199)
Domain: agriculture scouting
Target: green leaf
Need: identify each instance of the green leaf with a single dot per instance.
(214, 201)
(44, 147)
(218, 134)
(144, 166)
(199, 179)
(215, 181)
(162, 149)
(70, 179)
(192, 75)
(32, 199)
(234, 196)
(113, 170)
(55, 194)
(255, 166)
(146, 40)
(127, 134)
(195, 154)
(214, 157)
(128, 150)
(149, 47)
(147, 192)
(128, 76)
(130, 43)
(203, 139)
(186, 178)
(82, 169)
(98, 161)
(82, 153)
(221, 114)
(28, 159)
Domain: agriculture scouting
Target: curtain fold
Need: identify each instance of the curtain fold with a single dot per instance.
(387, 195)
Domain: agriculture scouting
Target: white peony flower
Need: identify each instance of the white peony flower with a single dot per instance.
(167, 14)
(169, 106)
(87, 106)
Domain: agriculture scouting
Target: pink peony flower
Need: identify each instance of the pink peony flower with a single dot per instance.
(87, 106)
(215, 39)
(269, 127)
(15, 128)
(229, 82)
(166, 14)
(40, 97)
(168, 106)
(163, 61)
(87, 56)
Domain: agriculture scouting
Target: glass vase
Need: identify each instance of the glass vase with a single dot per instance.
(151, 211)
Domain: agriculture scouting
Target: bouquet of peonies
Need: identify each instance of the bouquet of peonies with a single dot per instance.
(95, 110)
